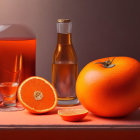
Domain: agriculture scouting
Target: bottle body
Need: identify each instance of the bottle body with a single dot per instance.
(65, 70)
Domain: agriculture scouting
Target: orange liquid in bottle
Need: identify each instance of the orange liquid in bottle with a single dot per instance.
(64, 79)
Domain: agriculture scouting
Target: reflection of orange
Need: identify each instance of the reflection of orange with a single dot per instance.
(72, 114)
(110, 91)
(37, 95)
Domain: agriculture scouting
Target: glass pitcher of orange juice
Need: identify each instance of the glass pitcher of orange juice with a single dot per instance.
(17, 39)
(17, 57)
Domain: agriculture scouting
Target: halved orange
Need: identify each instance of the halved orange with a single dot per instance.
(37, 95)
(72, 114)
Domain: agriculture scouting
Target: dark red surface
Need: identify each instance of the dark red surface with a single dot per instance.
(70, 134)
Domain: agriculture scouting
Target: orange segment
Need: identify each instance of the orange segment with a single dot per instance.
(72, 114)
(37, 95)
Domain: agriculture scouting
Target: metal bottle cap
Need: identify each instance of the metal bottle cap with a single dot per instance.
(63, 20)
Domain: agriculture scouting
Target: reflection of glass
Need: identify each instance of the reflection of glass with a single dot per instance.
(16, 39)
(9, 82)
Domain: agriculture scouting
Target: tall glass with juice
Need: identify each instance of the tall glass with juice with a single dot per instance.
(65, 65)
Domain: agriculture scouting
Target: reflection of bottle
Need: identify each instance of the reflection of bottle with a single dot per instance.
(64, 65)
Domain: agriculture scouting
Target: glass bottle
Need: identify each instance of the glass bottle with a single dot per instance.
(65, 65)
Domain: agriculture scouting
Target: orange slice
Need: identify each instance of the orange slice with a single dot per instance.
(72, 114)
(37, 95)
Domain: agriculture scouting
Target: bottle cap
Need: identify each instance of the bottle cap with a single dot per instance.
(64, 26)
(63, 20)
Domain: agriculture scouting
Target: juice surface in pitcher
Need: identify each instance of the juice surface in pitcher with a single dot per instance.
(9, 48)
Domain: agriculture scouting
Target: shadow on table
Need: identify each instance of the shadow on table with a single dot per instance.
(48, 113)
(134, 116)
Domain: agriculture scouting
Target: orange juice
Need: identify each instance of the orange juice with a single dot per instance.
(10, 48)
(8, 91)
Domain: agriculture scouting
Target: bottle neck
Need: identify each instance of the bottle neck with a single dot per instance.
(64, 31)
(64, 39)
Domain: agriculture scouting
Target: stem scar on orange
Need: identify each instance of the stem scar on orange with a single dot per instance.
(72, 114)
(110, 87)
(37, 95)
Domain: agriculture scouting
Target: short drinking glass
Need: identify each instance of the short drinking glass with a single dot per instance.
(9, 81)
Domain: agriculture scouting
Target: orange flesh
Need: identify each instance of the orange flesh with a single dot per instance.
(71, 112)
(27, 94)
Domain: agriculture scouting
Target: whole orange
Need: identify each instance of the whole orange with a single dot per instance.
(110, 87)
